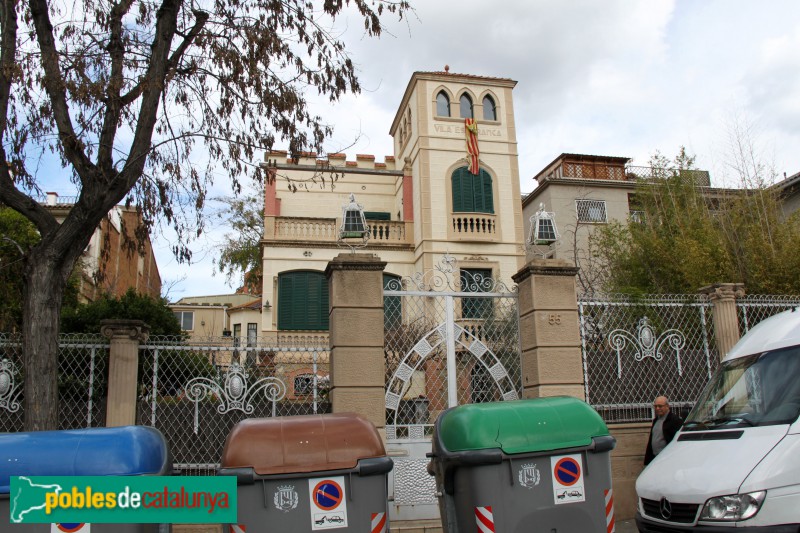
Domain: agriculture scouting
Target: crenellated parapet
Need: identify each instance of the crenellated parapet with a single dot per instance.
(337, 160)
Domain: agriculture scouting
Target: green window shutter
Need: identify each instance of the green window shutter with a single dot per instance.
(302, 301)
(488, 200)
(471, 193)
(285, 292)
(316, 302)
(313, 302)
(468, 184)
(457, 202)
(303, 304)
(463, 195)
(477, 192)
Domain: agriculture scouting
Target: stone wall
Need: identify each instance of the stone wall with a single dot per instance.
(627, 462)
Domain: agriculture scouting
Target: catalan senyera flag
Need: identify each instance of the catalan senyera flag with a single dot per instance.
(471, 132)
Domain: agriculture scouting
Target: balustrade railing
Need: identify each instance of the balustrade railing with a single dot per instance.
(700, 177)
(327, 229)
(474, 226)
(306, 229)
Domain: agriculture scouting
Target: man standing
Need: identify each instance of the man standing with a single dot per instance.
(665, 425)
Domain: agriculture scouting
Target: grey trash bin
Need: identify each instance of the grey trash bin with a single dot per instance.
(117, 451)
(308, 473)
(521, 466)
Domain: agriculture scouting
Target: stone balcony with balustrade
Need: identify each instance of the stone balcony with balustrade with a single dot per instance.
(323, 232)
(474, 227)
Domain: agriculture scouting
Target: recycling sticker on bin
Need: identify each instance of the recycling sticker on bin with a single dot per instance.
(567, 479)
(328, 503)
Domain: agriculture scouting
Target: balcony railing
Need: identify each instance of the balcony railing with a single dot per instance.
(700, 177)
(473, 226)
(591, 170)
(327, 230)
(305, 229)
(603, 171)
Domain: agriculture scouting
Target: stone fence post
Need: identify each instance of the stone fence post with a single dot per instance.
(726, 322)
(125, 336)
(549, 329)
(355, 284)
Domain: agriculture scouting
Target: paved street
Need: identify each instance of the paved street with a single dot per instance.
(626, 526)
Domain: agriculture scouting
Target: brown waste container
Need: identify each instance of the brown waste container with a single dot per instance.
(308, 473)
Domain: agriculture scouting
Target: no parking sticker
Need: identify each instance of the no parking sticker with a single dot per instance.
(70, 528)
(328, 503)
(567, 479)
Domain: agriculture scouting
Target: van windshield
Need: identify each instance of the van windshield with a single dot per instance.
(757, 390)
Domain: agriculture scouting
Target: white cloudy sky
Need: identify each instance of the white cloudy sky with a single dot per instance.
(610, 77)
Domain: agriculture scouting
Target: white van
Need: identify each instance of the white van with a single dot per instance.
(736, 461)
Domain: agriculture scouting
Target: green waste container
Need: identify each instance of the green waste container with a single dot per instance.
(308, 473)
(521, 466)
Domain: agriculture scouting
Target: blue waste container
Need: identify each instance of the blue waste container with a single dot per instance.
(118, 451)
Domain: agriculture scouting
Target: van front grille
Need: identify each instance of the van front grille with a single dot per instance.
(682, 513)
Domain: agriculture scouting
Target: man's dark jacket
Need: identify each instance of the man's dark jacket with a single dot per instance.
(672, 423)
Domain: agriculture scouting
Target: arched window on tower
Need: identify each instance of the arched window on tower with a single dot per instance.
(489, 108)
(466, 106)
(442, 104)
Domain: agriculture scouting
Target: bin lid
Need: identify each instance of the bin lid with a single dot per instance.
(521, 426)
(117, 451)
(298, 444)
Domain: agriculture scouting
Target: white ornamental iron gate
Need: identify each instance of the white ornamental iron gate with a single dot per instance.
(451, 338)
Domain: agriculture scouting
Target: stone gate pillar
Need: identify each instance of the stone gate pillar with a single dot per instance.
(549, 330)
(123, 368)
(726, 322)
(355, 284)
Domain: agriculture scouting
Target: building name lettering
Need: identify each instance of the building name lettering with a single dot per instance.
(482, 132)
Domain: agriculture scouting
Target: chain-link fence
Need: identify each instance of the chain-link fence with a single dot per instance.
(637, 349)
(82, 382)
(753, 308)
(196, 392)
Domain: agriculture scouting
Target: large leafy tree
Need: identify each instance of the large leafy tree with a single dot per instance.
(17, 236)
(691, 236)
(240, 252)
(87, 318)
(123, 92)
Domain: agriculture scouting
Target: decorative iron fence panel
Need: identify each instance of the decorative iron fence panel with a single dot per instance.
(194, 393)
(82, 382)
(11, 383)
(753, 308)
(635, 350)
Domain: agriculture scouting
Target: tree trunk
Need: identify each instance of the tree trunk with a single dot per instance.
(44, 293)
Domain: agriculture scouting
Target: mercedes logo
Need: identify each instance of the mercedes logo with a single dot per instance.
(665, 508)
